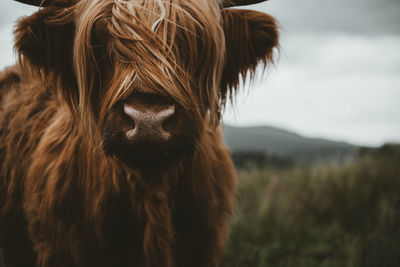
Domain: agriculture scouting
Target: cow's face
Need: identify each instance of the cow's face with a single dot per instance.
(145, 77)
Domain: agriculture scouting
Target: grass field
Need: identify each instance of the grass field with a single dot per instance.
(325, 216)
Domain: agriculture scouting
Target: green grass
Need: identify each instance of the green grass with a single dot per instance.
(327, 216)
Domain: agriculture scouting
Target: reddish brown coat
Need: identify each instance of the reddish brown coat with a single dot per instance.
(65, 202)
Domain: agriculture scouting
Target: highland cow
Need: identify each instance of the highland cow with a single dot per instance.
(110, 145)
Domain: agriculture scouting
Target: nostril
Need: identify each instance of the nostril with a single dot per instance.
(167, 113)
(132, 113)
(168, 124)
(168, 121)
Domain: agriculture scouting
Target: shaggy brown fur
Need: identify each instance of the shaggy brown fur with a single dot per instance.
(73, 191)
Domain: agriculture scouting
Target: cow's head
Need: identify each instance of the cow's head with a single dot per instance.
(144, 77)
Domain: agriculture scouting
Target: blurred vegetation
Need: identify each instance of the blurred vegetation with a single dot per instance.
(258, 159)
(326, 216)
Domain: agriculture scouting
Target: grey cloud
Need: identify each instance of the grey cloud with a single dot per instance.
(365, 17)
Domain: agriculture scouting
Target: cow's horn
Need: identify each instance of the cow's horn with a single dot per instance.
(231, 3)
(33, 2)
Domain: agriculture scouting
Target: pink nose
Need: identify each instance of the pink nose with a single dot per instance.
(148, 124)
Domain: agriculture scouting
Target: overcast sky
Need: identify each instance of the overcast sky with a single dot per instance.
(338, 72)
(337, 76)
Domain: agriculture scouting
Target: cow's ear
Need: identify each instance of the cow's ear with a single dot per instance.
(251, 37)
(45, 39)
(44, 43)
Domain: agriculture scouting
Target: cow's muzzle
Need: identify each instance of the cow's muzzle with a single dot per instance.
(148, 125)
(149, 131)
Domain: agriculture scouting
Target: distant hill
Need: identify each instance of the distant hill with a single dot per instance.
(286, 144)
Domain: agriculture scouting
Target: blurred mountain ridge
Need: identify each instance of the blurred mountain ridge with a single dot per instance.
(287, 145)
